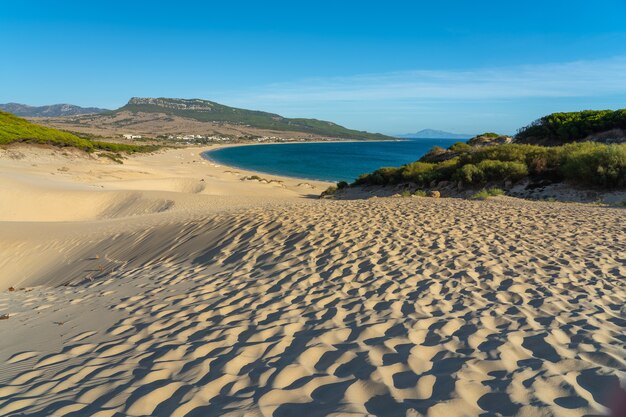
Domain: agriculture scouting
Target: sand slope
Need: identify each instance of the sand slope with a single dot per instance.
(257, 303)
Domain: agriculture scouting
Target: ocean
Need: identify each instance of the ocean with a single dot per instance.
(328, 161)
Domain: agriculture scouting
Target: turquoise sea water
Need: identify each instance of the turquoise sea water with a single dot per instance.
(335, 161)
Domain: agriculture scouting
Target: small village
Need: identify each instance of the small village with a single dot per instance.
(203, 139)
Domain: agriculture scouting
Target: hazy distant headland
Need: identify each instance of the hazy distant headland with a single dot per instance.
(54, 110)
(434, 134)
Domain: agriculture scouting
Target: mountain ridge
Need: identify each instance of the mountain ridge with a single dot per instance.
(210, 111)
(53, 110)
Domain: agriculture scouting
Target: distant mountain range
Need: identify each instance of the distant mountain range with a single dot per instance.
(54, 110)
(209, 111)
(434, 134)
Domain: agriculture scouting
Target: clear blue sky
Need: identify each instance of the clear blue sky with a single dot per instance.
(393, 67)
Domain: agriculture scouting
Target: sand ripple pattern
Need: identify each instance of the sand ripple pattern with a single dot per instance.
(381, 308)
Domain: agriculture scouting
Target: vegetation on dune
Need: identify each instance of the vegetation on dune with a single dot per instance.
(489, 135)
(584, 163)
(486, 193)
(14, 129)
(124, 147)
(560, 128)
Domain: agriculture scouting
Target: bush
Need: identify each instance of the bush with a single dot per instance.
(420, 193)
(491, 135)
(124, 147)
(419, 172)
(382, 176)
(460, 147)
(485, 194)
(594, 164)
(329, 191)
(502, 170)
(341, 185)
(470, 174)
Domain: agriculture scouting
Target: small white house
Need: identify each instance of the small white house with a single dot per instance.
(129, 136)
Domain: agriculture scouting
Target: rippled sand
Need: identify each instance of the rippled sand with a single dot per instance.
(267, 304)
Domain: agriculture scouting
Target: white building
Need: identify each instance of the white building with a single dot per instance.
(130, 136)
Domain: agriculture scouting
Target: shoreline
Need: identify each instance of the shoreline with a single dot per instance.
(330, 182)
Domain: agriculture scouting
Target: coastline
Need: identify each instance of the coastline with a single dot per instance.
(327, 161)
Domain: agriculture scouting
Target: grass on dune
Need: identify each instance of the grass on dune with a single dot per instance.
(486, 193)
(14, 129)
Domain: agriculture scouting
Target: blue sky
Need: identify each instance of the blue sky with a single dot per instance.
(392, 67)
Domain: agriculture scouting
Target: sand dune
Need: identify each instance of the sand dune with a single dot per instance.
(246, 299)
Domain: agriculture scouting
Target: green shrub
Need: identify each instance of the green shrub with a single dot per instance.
(485, 194)
(436, 150)
(420, 193)
(329, 191)
(460, 147)
(341, 185)
(594, 164)
(502, 170)
(488, 135)
(419, 172)
(470, 174)
(405, 193)
(124, 147)
(382, 176)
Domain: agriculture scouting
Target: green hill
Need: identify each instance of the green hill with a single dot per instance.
(560, 128)
(209, 111)
(14, 129)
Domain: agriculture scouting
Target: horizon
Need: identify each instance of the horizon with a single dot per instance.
(463, 69)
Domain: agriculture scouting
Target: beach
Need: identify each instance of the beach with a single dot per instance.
(171, 285)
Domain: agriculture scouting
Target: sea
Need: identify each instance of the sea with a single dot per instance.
(325, 161)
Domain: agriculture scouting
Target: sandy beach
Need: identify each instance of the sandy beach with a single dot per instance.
(169, 285)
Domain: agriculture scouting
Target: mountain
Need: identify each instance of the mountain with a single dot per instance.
(54, 110)
(434, 134)
(209, 111)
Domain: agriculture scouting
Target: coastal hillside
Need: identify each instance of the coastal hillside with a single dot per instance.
(54, 110)
(209, 111)
(607, 126)
(582, 156)
(14, 129)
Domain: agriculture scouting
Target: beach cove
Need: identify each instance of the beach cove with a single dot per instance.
(325, 161)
